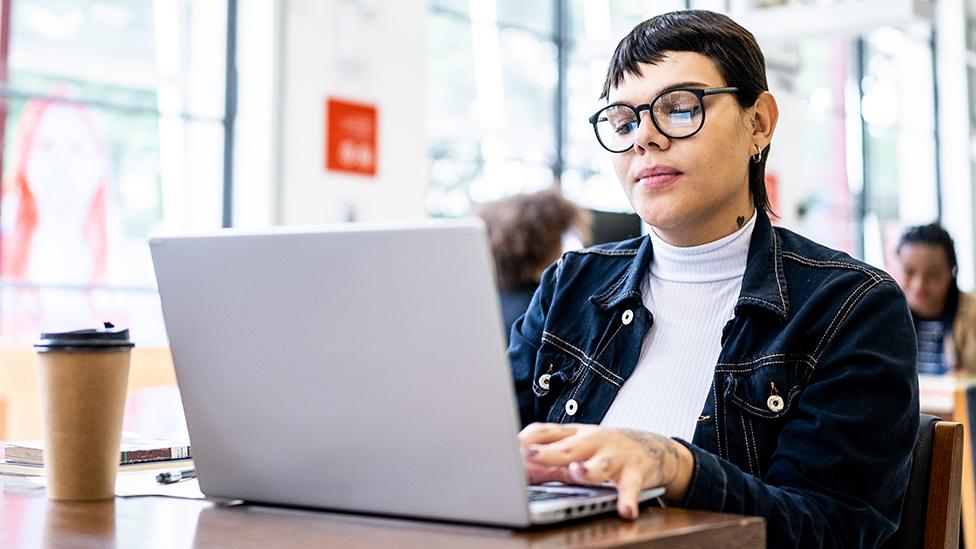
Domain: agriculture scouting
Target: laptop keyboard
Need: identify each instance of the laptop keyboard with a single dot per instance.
(536, 494)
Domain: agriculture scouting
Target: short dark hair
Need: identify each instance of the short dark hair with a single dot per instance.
(525, 231)
(932, 234)
(733, 49)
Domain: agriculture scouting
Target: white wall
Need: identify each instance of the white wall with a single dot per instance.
(364, 51)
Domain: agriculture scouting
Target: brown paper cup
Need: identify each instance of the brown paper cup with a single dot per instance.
(82, 401)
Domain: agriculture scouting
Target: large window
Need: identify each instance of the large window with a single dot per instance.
(814, 161)
(510, 86)
(510, 91)
(854, 156)
(113, 128)
(898, 108)
(491, 101)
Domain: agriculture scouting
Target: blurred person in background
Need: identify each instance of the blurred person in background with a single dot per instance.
(945, 317)
(526, 233)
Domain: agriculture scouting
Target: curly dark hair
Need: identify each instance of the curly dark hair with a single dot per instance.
(525, 232)
(932, 234)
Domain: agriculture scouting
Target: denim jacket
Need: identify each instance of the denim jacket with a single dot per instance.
(813, 409)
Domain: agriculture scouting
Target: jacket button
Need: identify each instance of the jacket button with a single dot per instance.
(571, 407)
(627, 317)
(775, 403)
(544, 381)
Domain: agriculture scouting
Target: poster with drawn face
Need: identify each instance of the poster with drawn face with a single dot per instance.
(54, 234)
(67, 173)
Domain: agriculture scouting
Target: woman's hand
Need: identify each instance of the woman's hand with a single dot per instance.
(589, 454)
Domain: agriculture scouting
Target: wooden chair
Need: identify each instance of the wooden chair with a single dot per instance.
(931, 510)
(964, 412)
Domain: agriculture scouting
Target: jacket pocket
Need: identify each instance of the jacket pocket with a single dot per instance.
(554, 371)
(767, 391)
(758, 402)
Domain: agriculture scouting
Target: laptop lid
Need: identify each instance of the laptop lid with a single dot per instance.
(348, 367)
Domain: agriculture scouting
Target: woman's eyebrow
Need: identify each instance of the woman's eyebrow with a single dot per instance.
(669, 87)
(687, 84)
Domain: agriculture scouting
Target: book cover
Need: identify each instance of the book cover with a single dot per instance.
(135, 448)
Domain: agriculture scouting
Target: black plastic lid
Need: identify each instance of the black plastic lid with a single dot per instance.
(100, 338)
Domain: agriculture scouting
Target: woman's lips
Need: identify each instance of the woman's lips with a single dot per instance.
(657, 177)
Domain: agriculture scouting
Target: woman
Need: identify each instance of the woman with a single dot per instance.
(944, 316)
(741, 366)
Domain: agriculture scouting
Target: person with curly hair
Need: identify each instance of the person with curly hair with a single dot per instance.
(526, 233)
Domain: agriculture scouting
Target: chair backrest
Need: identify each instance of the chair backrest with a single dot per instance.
(930, 513)
(965, 412)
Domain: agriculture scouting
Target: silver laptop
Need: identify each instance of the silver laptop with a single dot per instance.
(355, 368)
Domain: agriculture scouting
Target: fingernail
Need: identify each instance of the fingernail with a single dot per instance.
(532, 452)
(631, 512)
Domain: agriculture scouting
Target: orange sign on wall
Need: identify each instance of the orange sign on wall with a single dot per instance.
(350, 137)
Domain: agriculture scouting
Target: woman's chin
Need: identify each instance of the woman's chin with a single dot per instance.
(661, 216)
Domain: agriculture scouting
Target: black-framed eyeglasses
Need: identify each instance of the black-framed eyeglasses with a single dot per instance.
(677, 113)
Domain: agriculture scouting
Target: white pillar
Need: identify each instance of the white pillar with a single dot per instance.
(955, 154)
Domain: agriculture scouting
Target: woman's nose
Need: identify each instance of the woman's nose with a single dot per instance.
(648, 136)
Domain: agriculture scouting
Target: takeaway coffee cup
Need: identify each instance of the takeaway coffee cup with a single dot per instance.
(82, 377)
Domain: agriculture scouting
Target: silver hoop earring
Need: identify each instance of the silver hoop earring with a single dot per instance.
(757, 158)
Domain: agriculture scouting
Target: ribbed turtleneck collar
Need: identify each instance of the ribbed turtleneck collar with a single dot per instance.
(722, 259)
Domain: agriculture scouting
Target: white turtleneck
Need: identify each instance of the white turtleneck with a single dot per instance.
(691, 293)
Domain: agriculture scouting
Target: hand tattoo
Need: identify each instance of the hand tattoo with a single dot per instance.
(657, 448)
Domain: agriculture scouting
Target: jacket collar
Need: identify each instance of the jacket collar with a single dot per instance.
(628, 286)
(759, 289)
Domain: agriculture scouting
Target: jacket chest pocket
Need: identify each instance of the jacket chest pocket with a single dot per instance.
(554, 372)
(758, 403)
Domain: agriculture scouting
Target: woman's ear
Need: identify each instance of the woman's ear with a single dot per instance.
(764, 117)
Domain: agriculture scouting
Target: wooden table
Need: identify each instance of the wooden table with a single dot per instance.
(27, 519)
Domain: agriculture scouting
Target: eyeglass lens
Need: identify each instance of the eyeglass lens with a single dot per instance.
(676, 114)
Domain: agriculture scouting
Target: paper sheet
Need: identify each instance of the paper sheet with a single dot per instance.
(143, 483)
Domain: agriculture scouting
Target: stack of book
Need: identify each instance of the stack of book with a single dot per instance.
(136, 453)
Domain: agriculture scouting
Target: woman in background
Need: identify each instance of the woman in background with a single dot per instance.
(945, 316)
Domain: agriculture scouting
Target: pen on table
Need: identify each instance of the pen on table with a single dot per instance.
(169, 477)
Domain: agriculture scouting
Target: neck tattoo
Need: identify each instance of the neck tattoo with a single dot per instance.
(740, 221)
